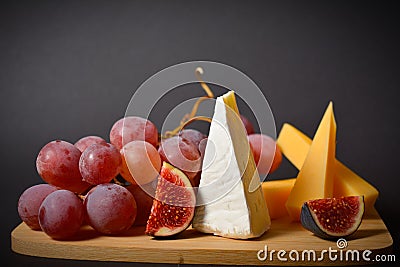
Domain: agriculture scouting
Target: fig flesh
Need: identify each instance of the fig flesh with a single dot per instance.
(331, 218)
(173, 205)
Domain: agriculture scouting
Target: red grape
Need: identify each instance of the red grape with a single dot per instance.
(30, 201)
(133, 128)
(267, 154)
(61, 214)
(143, 202)
(86, 141)
(247, 124)
(100, 163)
(192, 135)
(110, 208)
(141, 162)
(202, 147)
(181, 153)
(58, 164)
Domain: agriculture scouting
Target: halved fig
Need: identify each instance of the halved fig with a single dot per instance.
(333, 217)
(173, 205)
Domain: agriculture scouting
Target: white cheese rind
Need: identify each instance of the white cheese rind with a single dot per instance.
(227, 207)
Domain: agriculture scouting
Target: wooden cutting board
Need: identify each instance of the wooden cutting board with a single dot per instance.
(192, 247)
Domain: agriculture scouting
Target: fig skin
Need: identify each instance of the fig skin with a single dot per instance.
(308, 222)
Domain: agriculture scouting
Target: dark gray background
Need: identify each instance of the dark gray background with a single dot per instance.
(68, 69)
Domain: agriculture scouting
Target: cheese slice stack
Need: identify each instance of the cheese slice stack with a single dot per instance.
(295, 146)
(315, 178)
(231, 198)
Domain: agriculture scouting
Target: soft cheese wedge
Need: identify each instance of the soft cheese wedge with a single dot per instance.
(231, 199)
(315, 178)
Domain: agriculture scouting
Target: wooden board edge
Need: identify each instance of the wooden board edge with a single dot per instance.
(165, 255)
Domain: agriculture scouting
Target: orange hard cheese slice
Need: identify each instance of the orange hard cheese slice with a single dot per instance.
(315, 178)
(276, 193)
(295, 145)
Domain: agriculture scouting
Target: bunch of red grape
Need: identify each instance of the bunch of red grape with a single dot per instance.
(81, 185)
(81, 178)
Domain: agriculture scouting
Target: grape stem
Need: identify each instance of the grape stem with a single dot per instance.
(199, 71)
(191, 117)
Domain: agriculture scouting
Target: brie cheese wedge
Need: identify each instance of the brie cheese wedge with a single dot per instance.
(230, 198)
